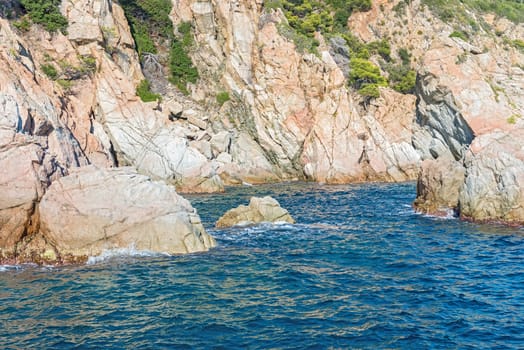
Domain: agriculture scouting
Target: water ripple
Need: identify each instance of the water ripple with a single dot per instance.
(360, 270)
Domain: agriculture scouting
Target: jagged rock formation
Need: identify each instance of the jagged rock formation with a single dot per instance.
(266, 209)
(438, 186)
(87, 113)
(469, 108)
(298, 118)
(68, 101)
(493, 189)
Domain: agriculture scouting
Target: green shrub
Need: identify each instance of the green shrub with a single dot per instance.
(381, 48)
(309, 16)
(303, 43)
(365, 77)
(22, 24)
(459, 11)
(65, 84)
(143, 90)
(405, 56)
(88, 64)
(49, 70)
(46, 13)
(406, 84)
(340, 18)
(152, 28)
(459, 34)
(223, 97)
(181, 67)
(519, 44)
(513, 119)
(149, 20)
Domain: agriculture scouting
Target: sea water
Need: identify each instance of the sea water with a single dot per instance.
(359, 270)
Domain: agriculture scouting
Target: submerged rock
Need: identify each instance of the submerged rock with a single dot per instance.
(95, 209)
(266, 209)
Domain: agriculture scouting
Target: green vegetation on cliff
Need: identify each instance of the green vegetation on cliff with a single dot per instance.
(180, 65)
(310, 16)
(143, 90)
(223, 97)
(46, 13)
(153, 32)
(450, 11)
(329, 17)
(365, 77)
(149, 22)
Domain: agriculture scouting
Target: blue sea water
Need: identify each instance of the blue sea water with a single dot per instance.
(360, 270)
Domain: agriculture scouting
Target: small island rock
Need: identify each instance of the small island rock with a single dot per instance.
(266, 209)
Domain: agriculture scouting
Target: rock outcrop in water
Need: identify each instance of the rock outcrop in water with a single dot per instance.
(438, 186)
(78, 219)
(473, 111)
(70, 100)
(470, 107)
(266, 209)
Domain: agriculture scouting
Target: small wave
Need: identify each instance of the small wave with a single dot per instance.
(5, 268)
(8, 267)
(109, 254)
(448, 214)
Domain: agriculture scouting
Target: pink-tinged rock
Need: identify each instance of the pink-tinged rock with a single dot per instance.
(438, 186)
(493, 189)
(92, 210)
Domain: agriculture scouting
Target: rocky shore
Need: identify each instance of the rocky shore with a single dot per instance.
(87, 165)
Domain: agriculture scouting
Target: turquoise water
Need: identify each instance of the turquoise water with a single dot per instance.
(359, 270)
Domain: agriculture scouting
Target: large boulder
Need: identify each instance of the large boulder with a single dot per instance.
(493, 189)
(438, 186)
(94, 209)
(266, 209)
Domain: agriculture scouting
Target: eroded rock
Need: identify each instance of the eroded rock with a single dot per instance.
(266, 209)
(493, 189)
(80, 220)
(438, 186)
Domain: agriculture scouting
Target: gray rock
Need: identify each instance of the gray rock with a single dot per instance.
(220, 142)
(339, 50)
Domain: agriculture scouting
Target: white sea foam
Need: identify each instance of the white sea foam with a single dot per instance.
(450, 215)
(4, 268)
(122, 252)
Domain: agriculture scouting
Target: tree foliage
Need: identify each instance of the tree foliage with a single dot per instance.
(181, 67)
(46, 13)
(365, 77)
(152, 28)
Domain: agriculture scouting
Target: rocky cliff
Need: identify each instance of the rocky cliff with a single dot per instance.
(263, 108)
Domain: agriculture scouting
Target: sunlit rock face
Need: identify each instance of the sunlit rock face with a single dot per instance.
(79, 221)
(288, 115)
(293, 115)
(265, 209)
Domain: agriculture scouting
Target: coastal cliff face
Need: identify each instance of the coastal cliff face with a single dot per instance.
(470, 105)
(263, 109)
(299, 119)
